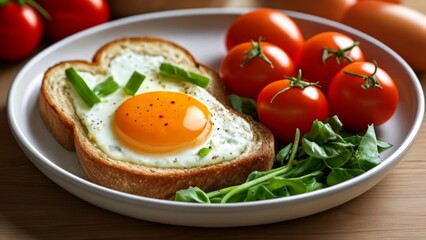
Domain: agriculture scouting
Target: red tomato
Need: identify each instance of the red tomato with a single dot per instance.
(357, 101)
(247, 76)
(21, 30)
(71, 16)
(295, 107)
(324, 54)
(273, 25)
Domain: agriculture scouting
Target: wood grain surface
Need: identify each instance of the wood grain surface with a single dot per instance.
(33, 207)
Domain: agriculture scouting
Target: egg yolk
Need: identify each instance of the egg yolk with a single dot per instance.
(162, 122)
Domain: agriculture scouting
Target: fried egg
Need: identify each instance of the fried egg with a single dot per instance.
(165, 124)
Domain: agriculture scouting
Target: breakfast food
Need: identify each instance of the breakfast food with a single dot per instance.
(159, 135)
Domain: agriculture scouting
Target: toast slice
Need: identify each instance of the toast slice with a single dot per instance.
(59, 115)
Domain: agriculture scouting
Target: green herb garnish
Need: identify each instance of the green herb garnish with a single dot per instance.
(172, 71)
(80, 86)
(106, 87)
(204, 151)
(134, 83)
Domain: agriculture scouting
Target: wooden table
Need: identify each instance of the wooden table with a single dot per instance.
(33, 207)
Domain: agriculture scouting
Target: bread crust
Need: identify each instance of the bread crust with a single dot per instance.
(58, 114)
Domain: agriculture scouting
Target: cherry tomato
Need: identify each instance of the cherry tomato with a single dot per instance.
(71, 16)
(361, 94)
(324, 54)
(21, 30)
(285, 105)
(250, 66)
(273, 25)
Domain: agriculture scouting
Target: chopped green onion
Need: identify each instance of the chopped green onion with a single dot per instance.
(80, 86)
(106, 87)
(204, 151)
(134, 83)
(172, 71)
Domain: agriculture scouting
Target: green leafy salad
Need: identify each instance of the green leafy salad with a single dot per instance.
(324, 156)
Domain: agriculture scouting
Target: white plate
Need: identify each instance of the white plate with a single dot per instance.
(202, 32)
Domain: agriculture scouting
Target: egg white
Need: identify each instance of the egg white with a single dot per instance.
(231, 136)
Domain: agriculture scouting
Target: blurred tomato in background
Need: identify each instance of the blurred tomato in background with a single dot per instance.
(70, 16)
(24, 23)
(21, 29)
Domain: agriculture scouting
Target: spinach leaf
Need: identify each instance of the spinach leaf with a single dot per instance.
(339, 175)
(323, 142)
(304, 167)
(367, 154)
(284, 154)
(345, 153)
(281, 187)
(259, 192)
(275, 187)
(306, 183)
(244, 105)
(192, 194)
(383, 146)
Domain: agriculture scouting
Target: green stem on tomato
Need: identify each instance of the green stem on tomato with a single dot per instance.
(295, 82)
(37, 7)
(256, 51)
(370, 81)
(338, 53)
